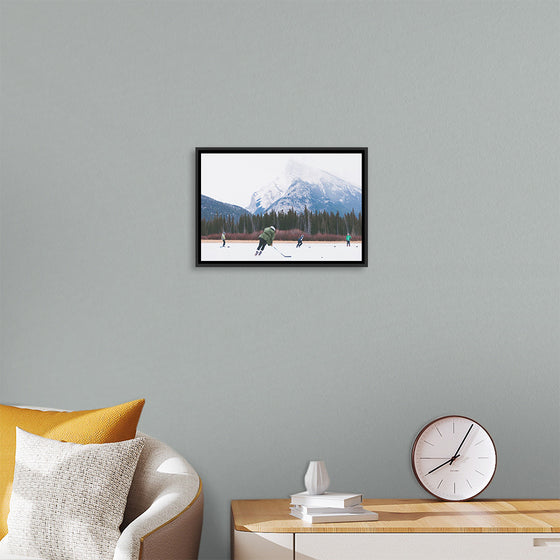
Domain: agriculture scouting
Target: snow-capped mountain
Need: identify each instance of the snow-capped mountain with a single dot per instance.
(302, 186)
(263, 198)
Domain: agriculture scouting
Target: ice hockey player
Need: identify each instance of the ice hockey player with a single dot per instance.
(348, 237)
(300, 241)
(265, 238)
(223, 239)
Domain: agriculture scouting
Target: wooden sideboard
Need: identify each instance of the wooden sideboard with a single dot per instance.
(406, 529)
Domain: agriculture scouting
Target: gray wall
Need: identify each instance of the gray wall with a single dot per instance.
(251, 372)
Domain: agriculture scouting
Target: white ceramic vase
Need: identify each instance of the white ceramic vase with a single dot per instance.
(316, 478)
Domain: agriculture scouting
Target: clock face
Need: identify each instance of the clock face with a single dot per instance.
(454, 458)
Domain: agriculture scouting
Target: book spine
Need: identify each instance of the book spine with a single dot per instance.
(316, 510)
(318, 502)
(334, 518)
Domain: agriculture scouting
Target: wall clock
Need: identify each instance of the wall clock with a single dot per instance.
(454, 458)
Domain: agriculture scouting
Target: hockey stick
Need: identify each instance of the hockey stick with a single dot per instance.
(287, 256)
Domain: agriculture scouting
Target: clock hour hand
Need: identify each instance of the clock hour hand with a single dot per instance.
(461, 445)
(443, 464)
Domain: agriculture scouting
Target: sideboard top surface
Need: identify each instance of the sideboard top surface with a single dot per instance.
(409, 516)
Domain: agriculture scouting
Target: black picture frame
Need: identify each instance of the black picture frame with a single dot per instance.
(294, 177)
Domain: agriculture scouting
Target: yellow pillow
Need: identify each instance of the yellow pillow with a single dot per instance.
(104, 425)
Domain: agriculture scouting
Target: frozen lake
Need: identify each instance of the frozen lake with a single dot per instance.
(310, 251)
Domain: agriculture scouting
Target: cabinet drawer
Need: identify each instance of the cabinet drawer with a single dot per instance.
(427, 546)
(262, 546)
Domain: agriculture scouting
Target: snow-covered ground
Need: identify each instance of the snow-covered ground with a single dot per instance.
(311, 251)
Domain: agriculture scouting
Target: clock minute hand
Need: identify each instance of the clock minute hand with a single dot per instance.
(461, 445)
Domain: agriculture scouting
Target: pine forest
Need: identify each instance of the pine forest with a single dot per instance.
(322, 226)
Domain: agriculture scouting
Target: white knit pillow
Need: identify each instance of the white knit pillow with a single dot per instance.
(68, 499)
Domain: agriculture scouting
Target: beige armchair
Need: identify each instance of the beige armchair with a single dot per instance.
(163, 517)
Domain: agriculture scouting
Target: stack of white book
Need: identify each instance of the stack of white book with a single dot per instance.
(330, 507)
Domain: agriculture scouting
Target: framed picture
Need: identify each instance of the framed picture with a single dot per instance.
(281, 207)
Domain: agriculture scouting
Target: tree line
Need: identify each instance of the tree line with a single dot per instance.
(310, 223)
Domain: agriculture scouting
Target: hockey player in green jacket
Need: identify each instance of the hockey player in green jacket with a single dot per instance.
(265, 238)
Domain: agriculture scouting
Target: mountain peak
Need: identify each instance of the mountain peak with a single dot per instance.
(297, 170)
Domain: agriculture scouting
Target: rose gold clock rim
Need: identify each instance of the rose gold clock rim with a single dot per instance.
(414, 449)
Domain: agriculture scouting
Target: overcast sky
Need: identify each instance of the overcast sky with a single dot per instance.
(233, 178)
